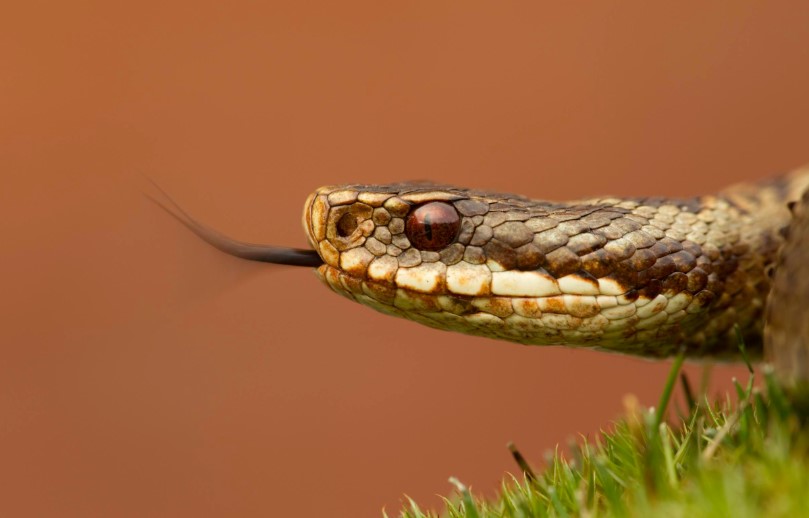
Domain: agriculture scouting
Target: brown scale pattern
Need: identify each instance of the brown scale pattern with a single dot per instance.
(643, 276)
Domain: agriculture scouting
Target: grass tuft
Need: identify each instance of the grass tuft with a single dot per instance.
(746, 455)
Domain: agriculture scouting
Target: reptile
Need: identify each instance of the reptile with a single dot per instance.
(651, 277)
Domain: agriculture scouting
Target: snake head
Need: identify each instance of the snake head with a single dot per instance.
(639, 276)
(452, 258)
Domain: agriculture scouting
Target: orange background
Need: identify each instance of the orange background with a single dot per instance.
(143, 373)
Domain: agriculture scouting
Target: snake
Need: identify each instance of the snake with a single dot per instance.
(644, 276)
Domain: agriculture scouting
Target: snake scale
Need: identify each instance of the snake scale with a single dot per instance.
(641, 276)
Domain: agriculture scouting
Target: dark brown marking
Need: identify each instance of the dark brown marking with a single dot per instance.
(641, 259)
(652, 289)
(740, 248)
(661, 269)
(684, 261)
(692, 248)
(624, 275)
(503, 254)
(529, 257)
(676, 282)
(697, 280)
(599, 263)
(704, 298)
(715, 283)
(735, 282)
(586, 277)
(562, 262)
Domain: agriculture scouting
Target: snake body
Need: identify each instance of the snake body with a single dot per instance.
(642, 276)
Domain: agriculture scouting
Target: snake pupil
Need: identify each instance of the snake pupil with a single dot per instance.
(433, 226)
(428, 228)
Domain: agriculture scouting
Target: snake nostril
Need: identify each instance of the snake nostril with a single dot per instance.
(346, 225)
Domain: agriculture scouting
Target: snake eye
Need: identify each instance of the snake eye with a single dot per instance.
(432, 226)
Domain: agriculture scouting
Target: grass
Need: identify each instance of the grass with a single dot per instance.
(746, 455)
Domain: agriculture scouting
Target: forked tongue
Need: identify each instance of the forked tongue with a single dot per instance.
(249, 251)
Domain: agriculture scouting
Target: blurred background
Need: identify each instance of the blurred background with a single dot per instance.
(142, 373)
